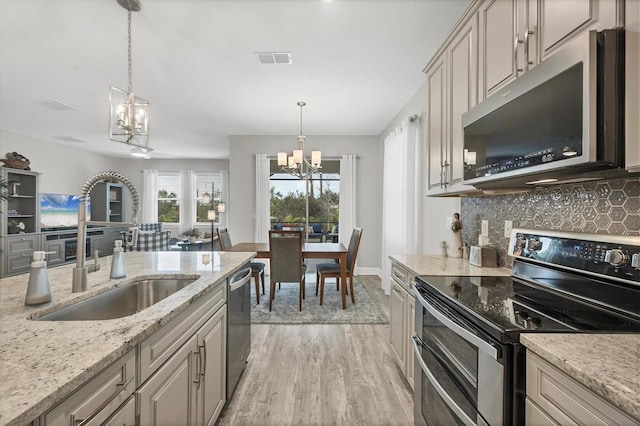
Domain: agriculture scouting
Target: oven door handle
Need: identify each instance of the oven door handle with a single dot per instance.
(438, 388)
(459, 330)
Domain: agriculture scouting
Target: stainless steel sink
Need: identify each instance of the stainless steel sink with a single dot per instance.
(120, 302)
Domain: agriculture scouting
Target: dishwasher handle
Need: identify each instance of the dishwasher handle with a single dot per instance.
(239, 279)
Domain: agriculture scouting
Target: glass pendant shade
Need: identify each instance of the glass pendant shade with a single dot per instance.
(206, 198)
(211, 215)
(221, 207)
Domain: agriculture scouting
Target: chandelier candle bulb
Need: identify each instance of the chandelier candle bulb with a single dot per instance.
(282, 159)
(297, 156)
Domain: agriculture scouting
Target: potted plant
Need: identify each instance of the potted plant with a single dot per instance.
(191, 233)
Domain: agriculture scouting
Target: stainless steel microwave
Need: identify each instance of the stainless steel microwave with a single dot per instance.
(562, 119)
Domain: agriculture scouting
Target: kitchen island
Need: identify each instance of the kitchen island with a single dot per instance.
(42, 362)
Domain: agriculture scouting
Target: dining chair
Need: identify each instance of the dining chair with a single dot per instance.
(332, 270)
(287, 265)
(257, 268)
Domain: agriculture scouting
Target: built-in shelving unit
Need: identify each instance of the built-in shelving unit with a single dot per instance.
(21, 205)
(107, 204)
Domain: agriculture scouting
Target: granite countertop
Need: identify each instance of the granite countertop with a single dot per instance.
(607, 364)
(429, 264)
(41, 362)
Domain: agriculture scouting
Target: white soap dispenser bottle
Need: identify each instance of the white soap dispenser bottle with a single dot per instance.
(118, 268)
(38, 291)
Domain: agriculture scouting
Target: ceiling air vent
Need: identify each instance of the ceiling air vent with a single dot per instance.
(52, 104)
(274, 57)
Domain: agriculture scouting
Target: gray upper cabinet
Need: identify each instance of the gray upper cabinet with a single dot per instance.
(451, 91)
(494, 43)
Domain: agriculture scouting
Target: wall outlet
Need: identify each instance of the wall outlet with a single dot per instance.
(508, 226)
(485, 228)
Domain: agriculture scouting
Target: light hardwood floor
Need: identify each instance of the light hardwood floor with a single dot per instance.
(322, 374)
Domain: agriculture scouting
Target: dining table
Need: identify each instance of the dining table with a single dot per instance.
(335, 251)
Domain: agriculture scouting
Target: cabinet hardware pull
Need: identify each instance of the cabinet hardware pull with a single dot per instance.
(204, 355)
(122, 386)
(197, 379)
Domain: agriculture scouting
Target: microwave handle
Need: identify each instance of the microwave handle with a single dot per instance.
(436, 385)
(460, 331)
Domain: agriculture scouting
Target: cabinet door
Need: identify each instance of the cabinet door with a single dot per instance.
(167, 398)
(397, 323)
(411, 330)
(99, 397)
(462, 93)
(124, 416)
(561, 20)
(436, 128)
(55, 248)
(212, 350)
(498, 45)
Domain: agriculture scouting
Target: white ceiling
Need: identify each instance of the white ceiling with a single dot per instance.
(355, 62)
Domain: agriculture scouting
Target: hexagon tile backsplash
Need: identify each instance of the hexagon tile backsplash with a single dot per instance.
(600, 207)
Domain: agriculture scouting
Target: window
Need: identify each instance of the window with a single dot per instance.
(207, 183)
(168, 197)
(288, 207)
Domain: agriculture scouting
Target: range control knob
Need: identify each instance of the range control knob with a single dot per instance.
(635, 261)
(534, 244)
(616, 257)
(521, 242)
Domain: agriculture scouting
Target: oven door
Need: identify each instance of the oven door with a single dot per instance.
(461, 381)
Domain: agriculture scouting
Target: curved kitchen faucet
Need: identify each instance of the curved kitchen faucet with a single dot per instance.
(80, 272)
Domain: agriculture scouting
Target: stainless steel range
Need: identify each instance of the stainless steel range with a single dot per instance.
(467, 342)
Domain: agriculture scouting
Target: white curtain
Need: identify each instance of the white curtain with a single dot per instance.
(347, 213)
(187, 194)
(223, 219)
(400, 195)
(263, 218)
(149, 196)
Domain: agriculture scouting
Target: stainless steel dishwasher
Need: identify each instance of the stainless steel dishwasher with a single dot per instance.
(238, 326)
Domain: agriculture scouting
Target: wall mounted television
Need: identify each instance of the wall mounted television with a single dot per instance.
(60, 211)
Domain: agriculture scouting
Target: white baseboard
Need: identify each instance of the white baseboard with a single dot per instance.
(369, 271)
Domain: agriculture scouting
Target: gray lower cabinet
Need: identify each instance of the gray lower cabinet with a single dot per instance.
(179, 372)
(55, 252)
(125, 415)
(189, 388)
(18, 252)
(168, 397)
(555, 398)
(402, 318)
(97, 399)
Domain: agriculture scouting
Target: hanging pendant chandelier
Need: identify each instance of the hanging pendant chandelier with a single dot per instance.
(129, 114)
(297, 164)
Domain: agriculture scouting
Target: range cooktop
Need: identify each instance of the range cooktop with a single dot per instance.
(560, 282)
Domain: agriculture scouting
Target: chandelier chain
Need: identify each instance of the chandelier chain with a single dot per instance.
(130, 73)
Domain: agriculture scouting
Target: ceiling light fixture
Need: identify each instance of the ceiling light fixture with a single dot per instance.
(129, 114)
(141, 152)
(297, 164)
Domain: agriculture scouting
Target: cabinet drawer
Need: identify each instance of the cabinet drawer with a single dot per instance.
(17, 245)
(20, 262)
(565, 400)
(98, 398)
(159, 347)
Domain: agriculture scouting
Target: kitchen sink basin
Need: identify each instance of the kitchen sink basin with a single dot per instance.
(120, 302)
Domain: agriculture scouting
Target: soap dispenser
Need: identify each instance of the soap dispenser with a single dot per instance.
(38, 291)
(118, 269)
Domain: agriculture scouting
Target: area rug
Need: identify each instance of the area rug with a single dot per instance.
(285, 306)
